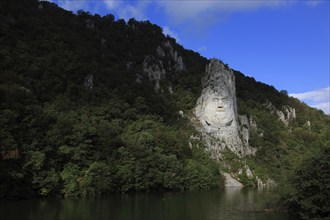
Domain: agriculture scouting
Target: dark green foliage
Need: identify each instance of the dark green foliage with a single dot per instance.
(73, 140)
(296, 155)
(311, 185)
(280, 148)
(253, 92)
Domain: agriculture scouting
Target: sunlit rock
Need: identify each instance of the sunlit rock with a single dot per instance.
(286, 114)
(230, 181)
(216, 111)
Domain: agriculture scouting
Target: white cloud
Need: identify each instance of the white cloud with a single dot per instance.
(314, 3)
(181, 11)
(71, 5)
(195, 13)
(168, 31)
(201, 49)
(318, 98)
(127, 10)
(123, 9)
(112, 4)
(325, 107)
(313, 96)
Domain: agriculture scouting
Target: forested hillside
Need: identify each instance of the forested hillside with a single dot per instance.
(80, 117)
(110, 135)
(293, 151)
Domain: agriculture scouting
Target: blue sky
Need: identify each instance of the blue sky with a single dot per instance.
(284, 43)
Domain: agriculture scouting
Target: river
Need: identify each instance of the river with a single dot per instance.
(227, 204)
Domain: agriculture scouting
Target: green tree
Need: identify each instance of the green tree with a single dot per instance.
(311, 197)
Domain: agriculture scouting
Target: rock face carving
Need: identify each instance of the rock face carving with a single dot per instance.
(216, 111)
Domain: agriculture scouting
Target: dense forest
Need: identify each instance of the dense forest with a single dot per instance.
(75, 122)
(74, 140)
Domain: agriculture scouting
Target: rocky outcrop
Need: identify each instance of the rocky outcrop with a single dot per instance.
(155, 67)
(269, 183)
(40, 6)
(103, 43)
(246, 171)
(138, 79)
(160, 52)
(286, 115)
(216, 111)
(178, 64)
(230, 181)
(246, 125)
(90, 24)
(89, 81)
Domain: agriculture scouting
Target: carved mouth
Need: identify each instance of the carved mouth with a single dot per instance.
(220, 109)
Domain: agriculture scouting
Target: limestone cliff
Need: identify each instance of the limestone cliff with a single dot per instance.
(216, 110)
(286, 114)
(89, 81)
(155, 67)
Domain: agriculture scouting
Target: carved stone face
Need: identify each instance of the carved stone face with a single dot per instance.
(218, 110)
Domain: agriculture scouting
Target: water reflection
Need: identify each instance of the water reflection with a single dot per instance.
(231, 204)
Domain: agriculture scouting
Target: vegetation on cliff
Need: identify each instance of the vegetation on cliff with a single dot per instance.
(79, 138)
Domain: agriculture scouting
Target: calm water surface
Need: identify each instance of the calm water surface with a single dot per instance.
(229, 204)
